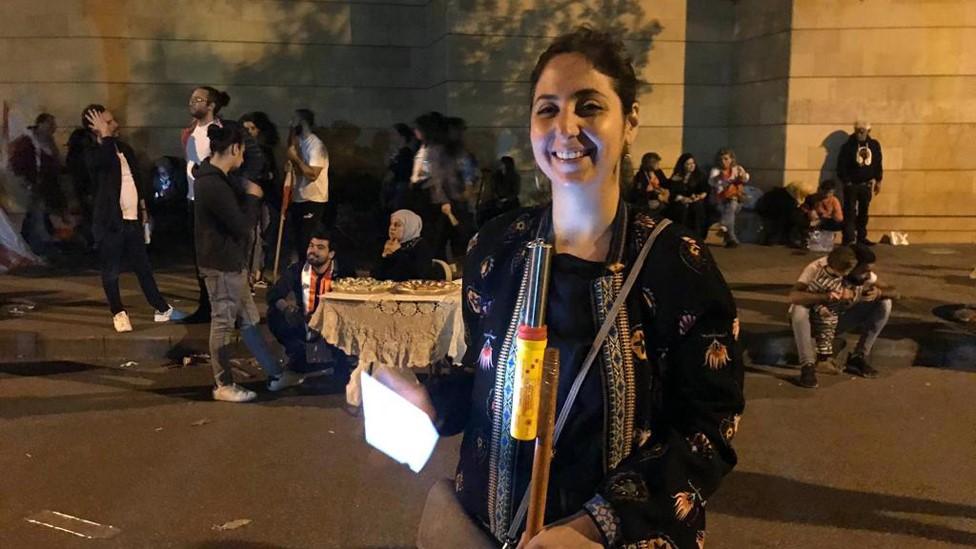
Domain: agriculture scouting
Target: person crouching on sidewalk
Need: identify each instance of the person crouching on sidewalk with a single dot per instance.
(833, 295)
(295, 297)
(119, 211)
(222, 214)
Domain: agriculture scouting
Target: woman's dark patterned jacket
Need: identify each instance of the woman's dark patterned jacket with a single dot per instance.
(671, 372)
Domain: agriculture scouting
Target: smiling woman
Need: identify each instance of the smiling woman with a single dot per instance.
(648, 433)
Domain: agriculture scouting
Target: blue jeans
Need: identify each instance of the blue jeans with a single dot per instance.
(870, 316)
(728, 209)
(230, 301)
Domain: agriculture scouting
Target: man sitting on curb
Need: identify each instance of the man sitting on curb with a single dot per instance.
(835, 294)
(295, 297)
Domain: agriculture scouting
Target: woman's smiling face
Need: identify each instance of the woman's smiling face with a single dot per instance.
(578, 128)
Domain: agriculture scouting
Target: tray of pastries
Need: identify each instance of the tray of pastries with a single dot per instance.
(361, 286)
(426, 287)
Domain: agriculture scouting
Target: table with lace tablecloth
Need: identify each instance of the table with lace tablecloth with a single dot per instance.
(395, 330)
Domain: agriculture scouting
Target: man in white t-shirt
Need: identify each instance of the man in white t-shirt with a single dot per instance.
(205, 103)
(119, 211)
(311, 207)
(865, 306)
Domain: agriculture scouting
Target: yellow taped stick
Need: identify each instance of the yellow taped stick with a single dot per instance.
(529, 355)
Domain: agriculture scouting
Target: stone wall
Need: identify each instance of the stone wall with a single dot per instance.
(902, 65)
(359, 65)
(780, 81)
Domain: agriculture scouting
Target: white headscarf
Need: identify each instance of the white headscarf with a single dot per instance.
(412, 224)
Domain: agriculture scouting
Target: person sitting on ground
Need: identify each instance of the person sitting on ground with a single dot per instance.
(727, 180)
(295, 297)
(118, 216)
(822, 211)
(647, 188)
(835, 293)
(689, 189)
(406, 256)
(223, 215)
(780, 211)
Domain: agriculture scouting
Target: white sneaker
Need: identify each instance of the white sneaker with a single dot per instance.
(169, 314)
(286, 379)
(233, 393)
(121, 322)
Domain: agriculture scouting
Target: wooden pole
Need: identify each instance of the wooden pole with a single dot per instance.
(285, 201)
(539, 486)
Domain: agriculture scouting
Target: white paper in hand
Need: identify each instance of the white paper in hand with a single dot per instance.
(396, 427)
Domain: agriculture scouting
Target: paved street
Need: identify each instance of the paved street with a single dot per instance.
(875, 463)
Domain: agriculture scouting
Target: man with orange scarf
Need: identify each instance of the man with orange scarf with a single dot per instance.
(295, 297)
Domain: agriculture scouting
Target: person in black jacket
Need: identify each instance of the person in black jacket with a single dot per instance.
(399, 168)
(647, 188)
(859, 169)
(223, 222)
(264, 133)
(406, 256)
(688, 188)
(291, 303)
(119, 211)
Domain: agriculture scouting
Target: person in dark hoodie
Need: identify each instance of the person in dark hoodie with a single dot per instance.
(119, 210)
(860, 169)
(223, 216)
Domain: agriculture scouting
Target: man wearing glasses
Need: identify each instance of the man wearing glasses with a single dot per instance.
(205, 104)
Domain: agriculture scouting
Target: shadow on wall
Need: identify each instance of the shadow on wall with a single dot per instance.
(470, 58)
(490, 49)
(831, 145)
(708, 66)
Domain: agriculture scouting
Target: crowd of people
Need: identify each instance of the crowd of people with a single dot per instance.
(790, 215)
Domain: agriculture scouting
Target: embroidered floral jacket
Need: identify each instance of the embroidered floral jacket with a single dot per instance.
(671, 375)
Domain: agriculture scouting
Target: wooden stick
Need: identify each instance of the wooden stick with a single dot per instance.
(285, 200)
(539, 486)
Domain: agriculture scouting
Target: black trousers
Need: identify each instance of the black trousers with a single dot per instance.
(305, 218)
(203, 301)
(692, 216)
(290, 333)
(857, 202)
(128, 244)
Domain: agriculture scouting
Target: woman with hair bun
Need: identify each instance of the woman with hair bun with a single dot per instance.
(648, 434)
(222, 228)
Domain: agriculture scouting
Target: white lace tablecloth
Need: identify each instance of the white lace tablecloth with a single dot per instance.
(395, 330)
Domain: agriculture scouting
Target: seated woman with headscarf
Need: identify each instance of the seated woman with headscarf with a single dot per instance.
(405, 255)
